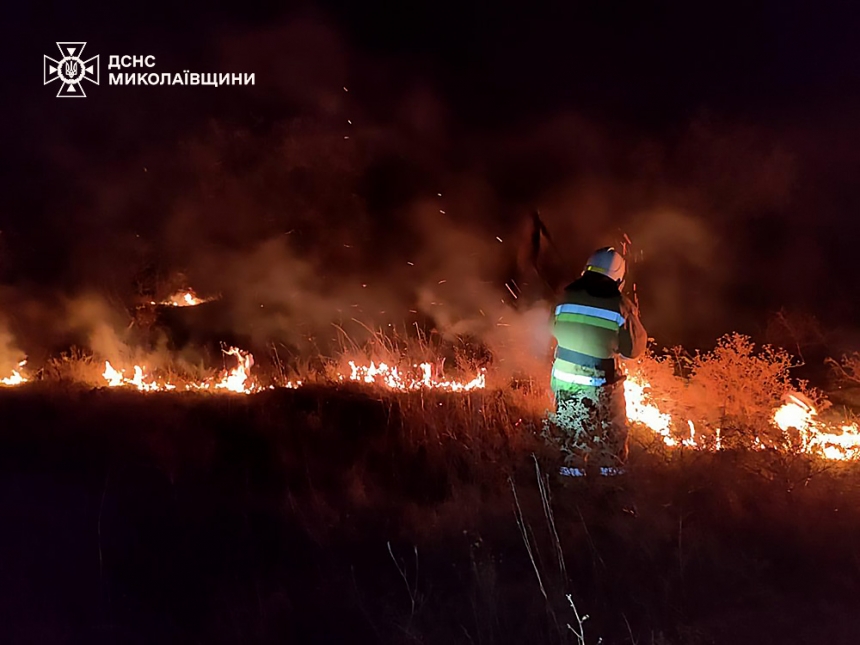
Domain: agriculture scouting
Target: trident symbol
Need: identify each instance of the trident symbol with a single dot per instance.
(72, 69)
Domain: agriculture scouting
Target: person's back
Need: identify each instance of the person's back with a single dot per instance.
(586, 326)
(595, 325)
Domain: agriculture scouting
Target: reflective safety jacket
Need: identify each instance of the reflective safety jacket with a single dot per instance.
(594, 325)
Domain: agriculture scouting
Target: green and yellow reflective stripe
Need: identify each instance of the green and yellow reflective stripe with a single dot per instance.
(587, 320)
(597, 312)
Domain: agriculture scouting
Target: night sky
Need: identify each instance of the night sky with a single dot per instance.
(724, 138)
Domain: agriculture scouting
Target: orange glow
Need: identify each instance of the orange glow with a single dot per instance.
(391, 378)
(639, 411)
(16, 378)
(236, 380)
(183, 298)
(239, 378)
(834, 442)
(839, 442)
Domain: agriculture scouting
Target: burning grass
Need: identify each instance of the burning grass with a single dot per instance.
(15, 378)
(734, 396)
(183, 298)
(237, 380)
(337, 480)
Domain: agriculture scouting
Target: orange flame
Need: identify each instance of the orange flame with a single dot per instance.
(638, 411)
(833, 442)
(239, 378)
(817, 435)
(236, 380)
(183, 298)
(391, 378)
(16, 378)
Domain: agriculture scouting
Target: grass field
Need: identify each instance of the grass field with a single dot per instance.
(346, 514)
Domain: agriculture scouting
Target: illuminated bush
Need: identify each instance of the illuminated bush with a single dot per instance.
(734, 388)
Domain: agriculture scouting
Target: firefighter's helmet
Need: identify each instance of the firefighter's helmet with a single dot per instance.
(609, 262)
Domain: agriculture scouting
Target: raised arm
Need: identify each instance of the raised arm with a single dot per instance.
(632, 337)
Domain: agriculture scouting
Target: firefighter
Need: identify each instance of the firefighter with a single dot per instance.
(595, 325)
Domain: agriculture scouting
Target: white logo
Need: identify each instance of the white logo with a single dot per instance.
(71, 69)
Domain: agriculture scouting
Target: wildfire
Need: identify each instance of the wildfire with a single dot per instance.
(112, 376)
(16, 377)
(639, 411)
(392, 378)
(797, 414)
(816, 434)
(833, 442)
(183, 298)
(140, 380)
(236, 380)
(239, 378)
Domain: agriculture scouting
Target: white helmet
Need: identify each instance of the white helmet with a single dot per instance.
(609, 262)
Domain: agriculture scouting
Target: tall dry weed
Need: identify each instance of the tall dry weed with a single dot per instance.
(734, 388)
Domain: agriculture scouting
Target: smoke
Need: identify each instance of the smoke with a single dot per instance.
(10, 354)
(679, 255)
(43, 324)
(341, 192)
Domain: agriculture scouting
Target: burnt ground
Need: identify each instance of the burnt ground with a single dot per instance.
(340, 515)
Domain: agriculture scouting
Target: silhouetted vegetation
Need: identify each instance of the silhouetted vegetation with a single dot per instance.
(345, 514)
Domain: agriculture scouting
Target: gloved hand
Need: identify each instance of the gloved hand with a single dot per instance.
(633, 338)
(629, 308)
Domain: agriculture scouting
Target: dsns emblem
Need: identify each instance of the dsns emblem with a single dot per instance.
(71, 70)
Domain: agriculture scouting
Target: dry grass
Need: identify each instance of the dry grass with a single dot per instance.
(395, 512)
(735, 387)
(847, 370)
(76, 366)
(405, 350)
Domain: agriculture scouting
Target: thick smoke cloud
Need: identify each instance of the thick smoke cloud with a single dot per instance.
(341, 190)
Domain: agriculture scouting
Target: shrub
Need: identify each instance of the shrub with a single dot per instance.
(734, 388)
(847, 370)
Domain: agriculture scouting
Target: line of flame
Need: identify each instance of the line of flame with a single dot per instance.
(840, 442)
(392, 378)
(236, 380)
(183, 298)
